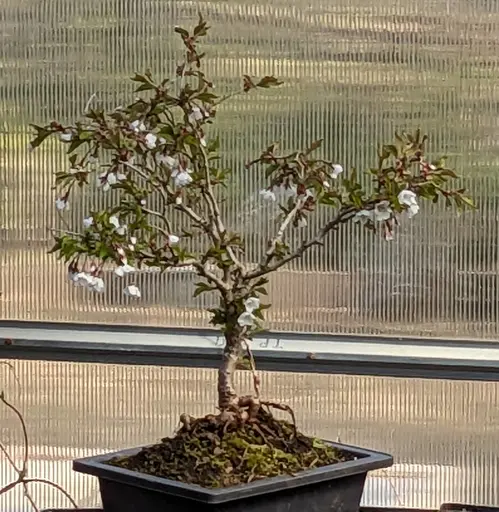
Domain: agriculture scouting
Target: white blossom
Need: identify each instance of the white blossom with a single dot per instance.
(203, 142)
(107, 179)
(289, 191)
(246, 319)
(122, 254)
(409, 198)
(326, 184)
(302, 222)
(267, 195)
(88, 221)
(114, 221)
(124, 269)
(138, 126)
(132, 291)
(120, 228)
(168, 160)
(196, 115)
(151, 140)
(61, 204)
(80, 278)
(251, 304)
(363, 216)
(181, 178)
(173, 239)
(337, 170)
(178, 200)
(382, 211)
(66, 136)
(133, 240)
(142, 202)
(86, 280)
(96, 284)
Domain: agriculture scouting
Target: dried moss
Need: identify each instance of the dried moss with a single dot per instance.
(213, 454)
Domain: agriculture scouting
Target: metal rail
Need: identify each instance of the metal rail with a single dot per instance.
(277, 351)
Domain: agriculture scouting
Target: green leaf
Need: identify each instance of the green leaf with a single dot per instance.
(259, 314)
(314, 146)
(140, 78)
(181, 31)
(145, 87)
(448, 172)
(75, 144)
(269, 81)
(468, 201)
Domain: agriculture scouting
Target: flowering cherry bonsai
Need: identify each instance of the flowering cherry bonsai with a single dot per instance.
(165, 185)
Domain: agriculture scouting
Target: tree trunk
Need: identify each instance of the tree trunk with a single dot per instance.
(233, 350)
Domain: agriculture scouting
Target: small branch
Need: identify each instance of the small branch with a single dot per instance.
(210, 276)
(24, 431)
(89, 102)
(162, 217)
(22, 472)
(54, 485)
(342, 217)
(280, 233)
(256, 379)
(209, 194)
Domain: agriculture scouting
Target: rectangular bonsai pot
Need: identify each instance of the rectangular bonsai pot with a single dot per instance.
(337, 487)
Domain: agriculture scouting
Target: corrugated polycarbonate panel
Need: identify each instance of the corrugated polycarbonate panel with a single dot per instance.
(442, 434)
(355, 71)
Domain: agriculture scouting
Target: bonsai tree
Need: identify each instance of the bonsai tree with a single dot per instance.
(164, 184)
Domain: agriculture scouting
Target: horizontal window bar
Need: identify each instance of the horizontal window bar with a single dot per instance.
(276, 351)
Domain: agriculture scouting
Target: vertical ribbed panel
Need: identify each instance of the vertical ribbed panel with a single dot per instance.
(355, 71)
(443, 434)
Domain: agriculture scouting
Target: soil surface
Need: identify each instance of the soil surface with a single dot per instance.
(215, 454)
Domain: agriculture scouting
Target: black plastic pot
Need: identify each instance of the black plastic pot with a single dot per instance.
(461, 507)
(362, 509)
(337, 487)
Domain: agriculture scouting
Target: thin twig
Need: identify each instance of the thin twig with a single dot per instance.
(89, 102)
(54, 485)
(22, 472)
(256, 379)
(343, 216)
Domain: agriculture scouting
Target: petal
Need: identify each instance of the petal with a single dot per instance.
(88, 221)
(246, 319)
(251, 304)
(114, 221)
(337, 170)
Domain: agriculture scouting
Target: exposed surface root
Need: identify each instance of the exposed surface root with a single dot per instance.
(232, 448)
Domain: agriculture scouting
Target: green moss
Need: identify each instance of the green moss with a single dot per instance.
(213, 454)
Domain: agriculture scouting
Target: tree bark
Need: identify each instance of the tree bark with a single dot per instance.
(233, 350)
